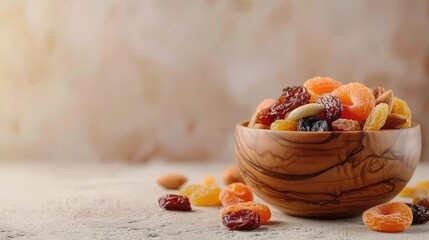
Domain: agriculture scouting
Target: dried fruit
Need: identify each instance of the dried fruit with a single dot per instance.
(263, 210)
(387, 98)
(209, 181)
(291, 98)
(241, 220)
(313, 124)
(394, 121)
(420, 214)
(376, 118)
(407, 192)
(345, 125)
(235, 193)
(319, 85)
(231, 174)
(172, 180)
(377, 91)
(284, 125)
(307, 110)
(264, 104)
(424, 184)
(332, 107)
(200, 195)
(358, 101)
(401, 107)
(421, 197)
(388, 217)
(174, 202)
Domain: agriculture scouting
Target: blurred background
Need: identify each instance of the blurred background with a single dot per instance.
(165, 79)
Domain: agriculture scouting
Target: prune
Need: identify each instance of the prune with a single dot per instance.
(291, 98)
(241, 220)
(420, 214)
(332, 107)
(174, 202)
(313, 124)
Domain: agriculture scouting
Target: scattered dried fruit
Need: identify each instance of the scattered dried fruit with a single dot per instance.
(209, 181)
(313, 124)
(376, 118)
(307, 110)
(174, 202)
(284, 125)
(345, 125)
(241, 220)
(420, 214)
(263, 210)
(332, 107)
(172, 180)
(231, 174)
(291, 98)
(388, 217)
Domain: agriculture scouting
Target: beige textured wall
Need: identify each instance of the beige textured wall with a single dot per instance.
(139, 79)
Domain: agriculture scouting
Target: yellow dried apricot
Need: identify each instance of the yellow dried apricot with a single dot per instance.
(284, 125)
(377, 118)
(401, 107)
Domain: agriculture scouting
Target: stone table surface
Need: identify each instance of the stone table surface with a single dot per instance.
(44, 200)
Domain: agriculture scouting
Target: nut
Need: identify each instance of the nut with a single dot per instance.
(394, 121)
(307, 110)
(172, 180)
(387, 98)
(231, 175)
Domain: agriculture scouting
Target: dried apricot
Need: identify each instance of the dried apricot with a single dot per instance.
(388, 217)
(266, 103)
(424, 184)
(358, 100)
(284, 125)
(401, 107)
(345, 125)
(261, 209)
(231, 174)
(319, 85)
(376, 118)
(235, 193)
(421, 197)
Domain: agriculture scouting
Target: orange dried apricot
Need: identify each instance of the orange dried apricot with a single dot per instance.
(388, 217)
(357, 99)
(377, 118)
(259, 208)
(401, 107)
(235, 193)
(319, 85)
(264, 104)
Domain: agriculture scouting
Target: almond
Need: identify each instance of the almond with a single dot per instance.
(387, 98)
(172, 180)
(394, 121)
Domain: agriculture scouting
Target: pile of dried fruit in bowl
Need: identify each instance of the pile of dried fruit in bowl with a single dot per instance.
(324, 104)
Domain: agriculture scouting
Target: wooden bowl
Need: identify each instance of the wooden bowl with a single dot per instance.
(327, 174)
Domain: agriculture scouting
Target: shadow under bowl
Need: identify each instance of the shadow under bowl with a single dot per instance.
(327, 174)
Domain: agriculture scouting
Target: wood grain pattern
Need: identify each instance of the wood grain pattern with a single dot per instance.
(327, 174)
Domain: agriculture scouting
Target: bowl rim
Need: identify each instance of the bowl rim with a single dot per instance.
(243, 125)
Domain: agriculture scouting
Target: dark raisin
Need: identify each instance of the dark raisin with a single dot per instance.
(313, 124)
(420, 214)
(174, 202)
(241, 220)
(332, 107)
(291, 98)
(377, 91)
